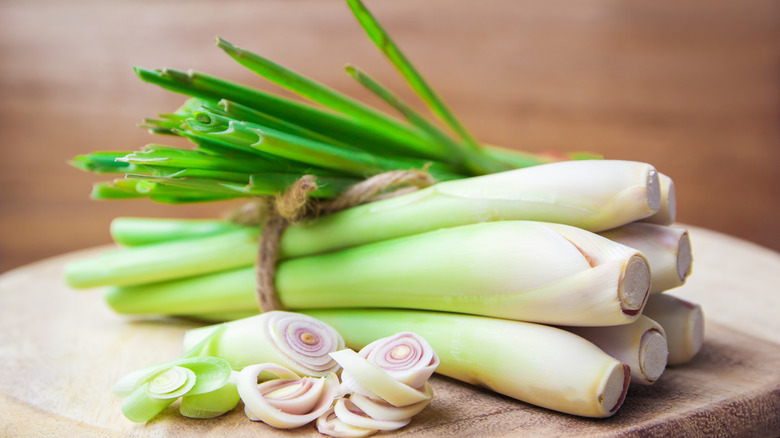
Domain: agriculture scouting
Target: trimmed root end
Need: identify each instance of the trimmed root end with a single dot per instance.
(684, 257)
(653, 354)
(634, 285)
(615, 387)
(653, 191)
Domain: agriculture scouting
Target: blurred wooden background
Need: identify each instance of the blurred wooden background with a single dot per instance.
(692, 87)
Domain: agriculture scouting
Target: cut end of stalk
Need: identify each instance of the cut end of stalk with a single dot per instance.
(684, 257)
(615, 387)
(653, 190)
(653, 354)
(634, 285)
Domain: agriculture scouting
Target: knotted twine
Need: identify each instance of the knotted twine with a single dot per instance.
(295, 205)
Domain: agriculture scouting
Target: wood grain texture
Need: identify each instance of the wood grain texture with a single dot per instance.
(690, 86)
(63, 350)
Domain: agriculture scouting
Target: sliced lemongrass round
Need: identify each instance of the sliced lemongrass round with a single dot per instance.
(278, 407)
(150, 390)
(171, 383)
(329, 424)
(212, 373)
(405, 356)
(296, 397)
(298, 342)
(375, 382)
(350, 414)
(381, 410)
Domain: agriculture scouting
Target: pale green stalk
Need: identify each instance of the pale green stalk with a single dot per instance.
(295, 341)
(131, 231)
(521, 270)
(641, 345)
(683, 323)
(667, 213)
(594, 195)
(518, 270)
(537, 364)
(164, 261)
(668, 250)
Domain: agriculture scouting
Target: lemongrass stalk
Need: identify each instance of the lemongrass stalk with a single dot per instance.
(668, 250)
(683, 323)
(134, 231)
(538, 364)
(642, 345)
(667, 213)
(521, 270)
(594, 194)
(294, 341)
(228, 291)
(528, 271)
(164, 261)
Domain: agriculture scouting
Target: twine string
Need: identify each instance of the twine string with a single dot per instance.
(295, 204)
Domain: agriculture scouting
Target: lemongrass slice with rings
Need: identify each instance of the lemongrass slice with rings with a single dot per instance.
(405, 356)
(289, 402)
(367, 379)
(330, 424)
(380, 410)
(350, 414)
(150, 390)
(293, 340)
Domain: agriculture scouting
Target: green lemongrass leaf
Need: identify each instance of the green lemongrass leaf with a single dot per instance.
(214, 121)
(331, 125)
(356, 163)
(165, 156)
(139, 188)
(102, 162)
(244, 113)
(330, 98)
(219, 175)
(386, 45)
(153, 185)
(520, 159)
(135, 231)
(109, 191)
(475, 161)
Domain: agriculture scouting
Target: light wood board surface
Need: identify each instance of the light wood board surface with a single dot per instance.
(62, 350)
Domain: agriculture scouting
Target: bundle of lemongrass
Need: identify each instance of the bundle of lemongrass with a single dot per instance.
(565, 258)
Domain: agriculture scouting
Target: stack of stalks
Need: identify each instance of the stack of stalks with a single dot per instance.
(537, 278)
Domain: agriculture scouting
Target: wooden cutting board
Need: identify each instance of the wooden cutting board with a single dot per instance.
(62, 350)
